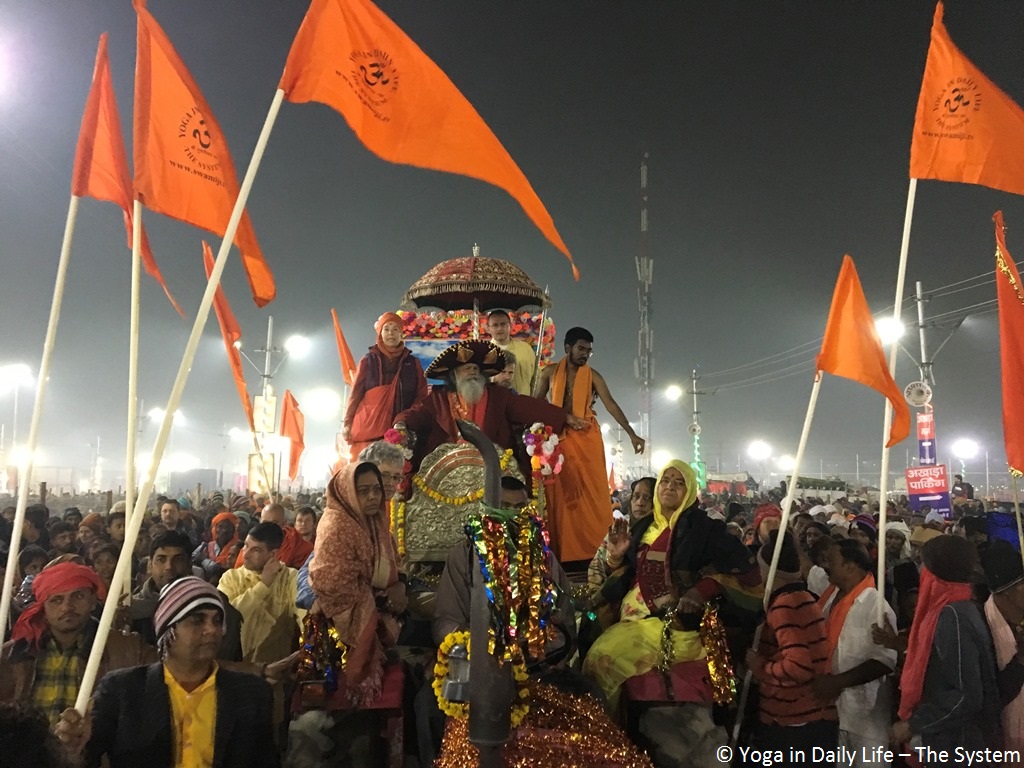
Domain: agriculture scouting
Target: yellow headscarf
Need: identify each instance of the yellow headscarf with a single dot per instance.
(662, 521)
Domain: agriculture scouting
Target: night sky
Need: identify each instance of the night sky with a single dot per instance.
(779, 137)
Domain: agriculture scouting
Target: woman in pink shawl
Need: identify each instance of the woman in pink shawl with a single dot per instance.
(354, 573)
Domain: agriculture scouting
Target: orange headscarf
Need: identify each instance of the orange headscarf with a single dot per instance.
(384, 349)
(223, 557)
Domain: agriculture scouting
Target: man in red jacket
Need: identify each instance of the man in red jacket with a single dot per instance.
(467, 395)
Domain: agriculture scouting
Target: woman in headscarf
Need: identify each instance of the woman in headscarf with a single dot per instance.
(641, 504)
(354, 574)
(674, 559)
(388, 381)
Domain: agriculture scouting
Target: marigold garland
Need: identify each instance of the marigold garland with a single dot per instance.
(458, 501)
(460, 709)
(398, 525)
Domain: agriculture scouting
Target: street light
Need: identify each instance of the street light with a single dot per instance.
(760, 452)
(661, 457)
(786, 462)
(964, 449)
(12, 377)
(298, 346)
(673, 392)
(322, 404)
(889, 329)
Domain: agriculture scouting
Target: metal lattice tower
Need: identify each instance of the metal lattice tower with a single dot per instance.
(644, 364)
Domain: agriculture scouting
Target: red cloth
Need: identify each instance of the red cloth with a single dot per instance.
(935, 594)
(762, 513)
(65, 577)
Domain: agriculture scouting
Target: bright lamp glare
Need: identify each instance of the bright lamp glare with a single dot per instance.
(787, 462)
(965, 448)
(157, 414)
(661, 457)
(298, 346)
(759, 450)
(240, 435)
(14, 375)
(321, 404)
(673, 392)
(606, 428)
(890, 330)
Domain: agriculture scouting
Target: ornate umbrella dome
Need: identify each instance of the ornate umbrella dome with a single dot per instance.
(493, 283)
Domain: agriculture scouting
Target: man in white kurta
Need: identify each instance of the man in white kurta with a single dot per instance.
(859, 682)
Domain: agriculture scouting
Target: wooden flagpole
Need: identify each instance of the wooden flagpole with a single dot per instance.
(787, 505)
(25, 473)
(173, 401)
(883, 484)
(133, 383)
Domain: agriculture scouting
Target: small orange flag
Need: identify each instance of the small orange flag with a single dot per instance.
(101, 163)
(1011, 348)
(851, 348)
(350, 56)
(232, 333)
(966, 129)
(293, 424)
(613, 484)
(182, 165)
(348, 364)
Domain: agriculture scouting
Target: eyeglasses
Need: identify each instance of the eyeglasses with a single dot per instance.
(393, 477)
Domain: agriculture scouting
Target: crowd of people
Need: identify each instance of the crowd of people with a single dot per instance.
(201, 669)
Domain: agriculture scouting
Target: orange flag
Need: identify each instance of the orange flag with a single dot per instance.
(182, 165)
(613, 484)
(966, 129)
(851, 348)
(232, 333)
(350, 56)
(293, 423)
(1011, 348)
(348, 364)
(101, 163)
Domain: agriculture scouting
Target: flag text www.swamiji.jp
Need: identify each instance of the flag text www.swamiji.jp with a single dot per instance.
(350, 56)
(851, 348)
(966, 129)
(182, 165)
(101, 162)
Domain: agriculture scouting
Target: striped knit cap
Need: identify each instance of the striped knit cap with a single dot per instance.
(180, 598)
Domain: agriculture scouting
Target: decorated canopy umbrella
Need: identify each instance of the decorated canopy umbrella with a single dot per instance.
(474, 282)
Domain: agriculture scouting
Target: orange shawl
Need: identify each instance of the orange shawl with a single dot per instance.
(840, 608)
(582, 390)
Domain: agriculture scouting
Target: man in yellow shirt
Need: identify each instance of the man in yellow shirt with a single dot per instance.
(499, 325)
(184, 712)
(264, 592)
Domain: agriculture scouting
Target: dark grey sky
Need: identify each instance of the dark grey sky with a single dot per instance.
(779, 139)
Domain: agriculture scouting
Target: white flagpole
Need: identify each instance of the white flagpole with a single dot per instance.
(133, 380)
(131, 534)
(787, 505)
(25, 473)
(883, 483)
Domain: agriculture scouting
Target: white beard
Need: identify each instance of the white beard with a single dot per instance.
(471, 389)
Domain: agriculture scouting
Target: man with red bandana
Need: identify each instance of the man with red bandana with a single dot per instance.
(43, 662)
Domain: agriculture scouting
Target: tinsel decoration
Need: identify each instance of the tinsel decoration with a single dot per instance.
(513, 552)
(560, 731)
(712, 636)
(668, 656)
(322, 653)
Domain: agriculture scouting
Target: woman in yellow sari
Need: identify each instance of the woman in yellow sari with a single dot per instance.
(676, 559)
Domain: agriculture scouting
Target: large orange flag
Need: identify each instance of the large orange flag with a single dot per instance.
(348, 363)
(293, 424)
(350, 56)
(182, 165)
(101, 163)
(966, 129)
(1011, 348)
(232, 334)
(851, 348)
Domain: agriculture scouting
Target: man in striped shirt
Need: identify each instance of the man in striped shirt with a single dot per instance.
(792, 653)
